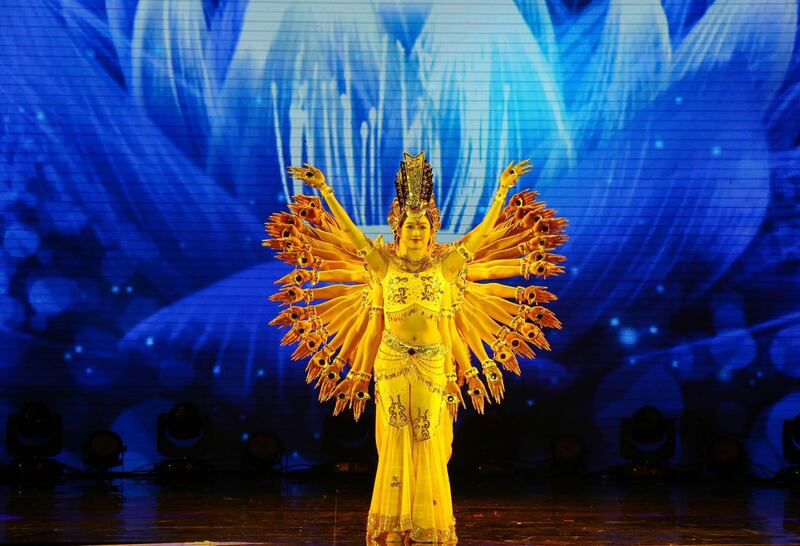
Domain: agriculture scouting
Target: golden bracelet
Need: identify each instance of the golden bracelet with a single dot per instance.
(366, 249)
(488, 363)
(461, 249)
(450, 377)
(358, 375)
(472, 372)
(490, 370)
(326, 189)
(501, 193)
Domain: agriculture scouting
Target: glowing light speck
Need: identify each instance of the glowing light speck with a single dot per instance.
(628, 336)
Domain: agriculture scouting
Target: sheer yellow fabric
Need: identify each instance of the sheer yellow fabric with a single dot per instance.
(414, 436)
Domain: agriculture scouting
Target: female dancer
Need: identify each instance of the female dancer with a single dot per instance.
(410, 320)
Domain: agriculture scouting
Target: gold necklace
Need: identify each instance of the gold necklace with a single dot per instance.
(412, 266)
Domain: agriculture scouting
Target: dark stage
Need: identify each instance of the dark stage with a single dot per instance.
(303, 511)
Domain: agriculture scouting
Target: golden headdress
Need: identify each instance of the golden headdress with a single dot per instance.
(414, 186)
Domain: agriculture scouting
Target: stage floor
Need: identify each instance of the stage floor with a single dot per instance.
(293, 512)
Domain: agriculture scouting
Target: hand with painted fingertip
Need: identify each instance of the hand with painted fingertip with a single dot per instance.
(359, 394)
(494, 380)
(310, 175)
(453, 397)
(477, 393)
(341, 395)
(512, 173)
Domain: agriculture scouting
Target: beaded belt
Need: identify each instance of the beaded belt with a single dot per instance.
(425, 350)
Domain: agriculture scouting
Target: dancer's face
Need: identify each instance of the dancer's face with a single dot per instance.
(415, 234)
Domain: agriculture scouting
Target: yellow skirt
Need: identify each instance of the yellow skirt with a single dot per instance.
(414, 436)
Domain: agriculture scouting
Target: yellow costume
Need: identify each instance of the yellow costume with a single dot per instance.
(409, 314)
(413, 431)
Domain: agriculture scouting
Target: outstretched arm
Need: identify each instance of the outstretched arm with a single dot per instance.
(470, 243)
(313, 177)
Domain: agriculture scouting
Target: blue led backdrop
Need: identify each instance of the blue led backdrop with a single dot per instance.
(143, 143)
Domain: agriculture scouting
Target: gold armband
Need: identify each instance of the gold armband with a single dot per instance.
(523, 268)
(326, 189)
(472, 372)
(461, 249)
(502, 191)
(490, 370)
(450, 377)
(358, 375)
(366, 249)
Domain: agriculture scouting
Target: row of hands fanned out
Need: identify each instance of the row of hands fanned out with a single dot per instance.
(337, 330)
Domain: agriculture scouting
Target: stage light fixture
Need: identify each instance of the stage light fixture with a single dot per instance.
(727, 457)
(567, 454)
(185, 432)
(33, 436)
(791, 451)
(263, 450)
(184, 435)
(791, 440)
(103, 450)
(647, 437)
(34, 432)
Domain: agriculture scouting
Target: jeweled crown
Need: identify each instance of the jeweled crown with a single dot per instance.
(414, 186)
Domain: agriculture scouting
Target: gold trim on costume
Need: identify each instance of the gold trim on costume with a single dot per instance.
(424, 350)
(413, 309)
(377, 524)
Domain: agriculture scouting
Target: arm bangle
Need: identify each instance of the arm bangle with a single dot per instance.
(501, 194)
(488, 364)
(366, 249)
(451, 377)
(472, 372)
(461, 249)
(358, 375)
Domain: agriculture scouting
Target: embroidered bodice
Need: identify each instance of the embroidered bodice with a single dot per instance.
(406, 292)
